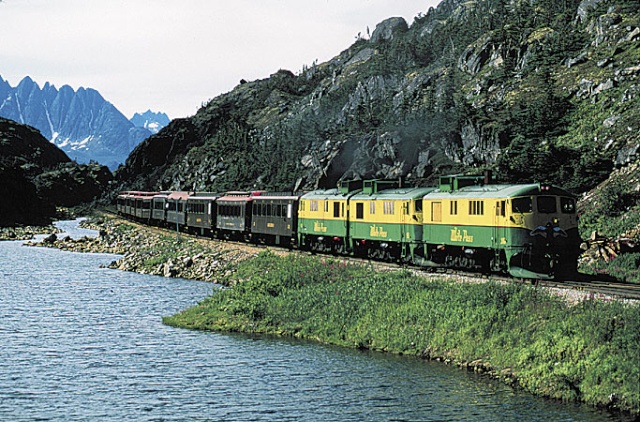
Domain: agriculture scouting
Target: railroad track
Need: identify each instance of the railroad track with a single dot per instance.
(583, 282)
(610, 288)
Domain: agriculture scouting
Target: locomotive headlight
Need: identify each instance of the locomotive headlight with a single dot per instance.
(556, 221)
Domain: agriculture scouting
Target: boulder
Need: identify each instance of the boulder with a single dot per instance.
(388, 28)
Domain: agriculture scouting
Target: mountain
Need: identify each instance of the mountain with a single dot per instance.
(82, 123)
(36, 176)
(540, 90)
(151, 121)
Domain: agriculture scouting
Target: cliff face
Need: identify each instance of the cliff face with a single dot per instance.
(36, 176)
(82, 123)
(537, 90)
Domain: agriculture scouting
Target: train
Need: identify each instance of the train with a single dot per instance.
(468, 222)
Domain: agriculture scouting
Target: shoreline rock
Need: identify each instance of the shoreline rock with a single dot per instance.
(154, 252)
(26, 232)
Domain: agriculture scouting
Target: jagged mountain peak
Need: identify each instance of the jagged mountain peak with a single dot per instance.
(150, 120)
(81, 122)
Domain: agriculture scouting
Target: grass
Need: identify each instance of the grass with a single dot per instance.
(587, 352)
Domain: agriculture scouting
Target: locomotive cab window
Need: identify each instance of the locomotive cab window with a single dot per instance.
(418, 206)
(521, 205)
(568, 205)
(547, 204)
(336, 209)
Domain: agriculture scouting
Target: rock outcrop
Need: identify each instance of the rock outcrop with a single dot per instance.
(36, 176)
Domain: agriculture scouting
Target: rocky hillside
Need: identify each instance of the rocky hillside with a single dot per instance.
(36, 176)
(81, 123)
(539, 90)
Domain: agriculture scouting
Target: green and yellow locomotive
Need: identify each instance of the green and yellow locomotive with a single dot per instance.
(527, 230)
(468, 222)
(323, 218)
(386, 221)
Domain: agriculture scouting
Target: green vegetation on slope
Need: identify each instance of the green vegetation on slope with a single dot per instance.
(586, 352)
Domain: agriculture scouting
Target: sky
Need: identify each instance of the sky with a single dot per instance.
(173, 56)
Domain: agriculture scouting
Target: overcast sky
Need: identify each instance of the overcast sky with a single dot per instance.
(175, 55)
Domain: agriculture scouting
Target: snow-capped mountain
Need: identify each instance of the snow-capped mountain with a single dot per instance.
(150, 120)
(81, 123)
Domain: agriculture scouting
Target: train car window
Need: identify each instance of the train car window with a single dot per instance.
(279, 210)
(336, 209)
(326, 206)
(313, 206)
(269, 210)
(521, 205)
(418, 205)
(359, 210)
(289, 211)
(372, 208)
(453, 208)
(568, 205)
(547, 204)
(389, 208)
